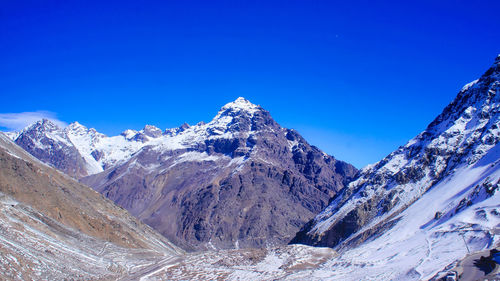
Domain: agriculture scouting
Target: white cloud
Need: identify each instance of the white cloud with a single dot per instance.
(18, 121)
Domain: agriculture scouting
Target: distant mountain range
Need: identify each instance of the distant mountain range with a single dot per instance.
(240, 180)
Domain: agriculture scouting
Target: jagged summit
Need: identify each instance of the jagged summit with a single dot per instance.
(76, 124)
(41, 129)
(495, 68)
(184, 126)
(152, 131)
(77, 128)
(240, 117)
(473, 98)
(43, 124)
(238, 106)
(128, 133)
(48, 142)
(241, 103)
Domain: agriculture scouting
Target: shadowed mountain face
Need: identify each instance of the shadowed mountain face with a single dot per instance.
(53, 228)
(50, 144)
(457, 154)
(238, 181)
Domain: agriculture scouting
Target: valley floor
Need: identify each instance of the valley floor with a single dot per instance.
(243, 264)
(299, 262)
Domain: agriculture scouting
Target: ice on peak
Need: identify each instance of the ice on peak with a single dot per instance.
(240, 104)
(44, 124)
(241, 99)
(468, 85)
(152, 131)
(75, 126)
(128, 134)
(150, 127)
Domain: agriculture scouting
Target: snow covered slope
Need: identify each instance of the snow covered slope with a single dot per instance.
(54, 228)
(405, 216)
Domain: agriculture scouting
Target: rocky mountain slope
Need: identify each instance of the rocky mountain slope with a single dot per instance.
(240, 180)
(54, 228)
(426, 204)
(49, 143)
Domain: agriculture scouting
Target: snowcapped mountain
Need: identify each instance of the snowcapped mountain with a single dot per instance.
(243, 181)
(54, 228)
(49, 143)
(101, 151)
(240, 180)
(426, 204)
(79, 151)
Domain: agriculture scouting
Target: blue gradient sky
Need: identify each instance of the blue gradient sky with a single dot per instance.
(356, 78)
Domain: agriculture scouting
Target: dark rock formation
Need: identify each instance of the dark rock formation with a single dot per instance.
(239, 181)
(47, 142)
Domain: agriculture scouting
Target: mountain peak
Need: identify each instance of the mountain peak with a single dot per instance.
(152, 131)
(150, 127)
(129, 133)
(184, 126)
(241, 104)
(76, 126)
(44, 125)
(46, 122)
(494, 70)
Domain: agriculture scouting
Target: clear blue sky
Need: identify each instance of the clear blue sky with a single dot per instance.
(356, 78)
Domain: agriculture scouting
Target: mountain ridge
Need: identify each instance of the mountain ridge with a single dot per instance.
(450, 171)
(150, 170)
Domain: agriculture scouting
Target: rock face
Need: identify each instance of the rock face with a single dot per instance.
(49, 143)
(238, 181)
(412, 205)
(54, 228)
